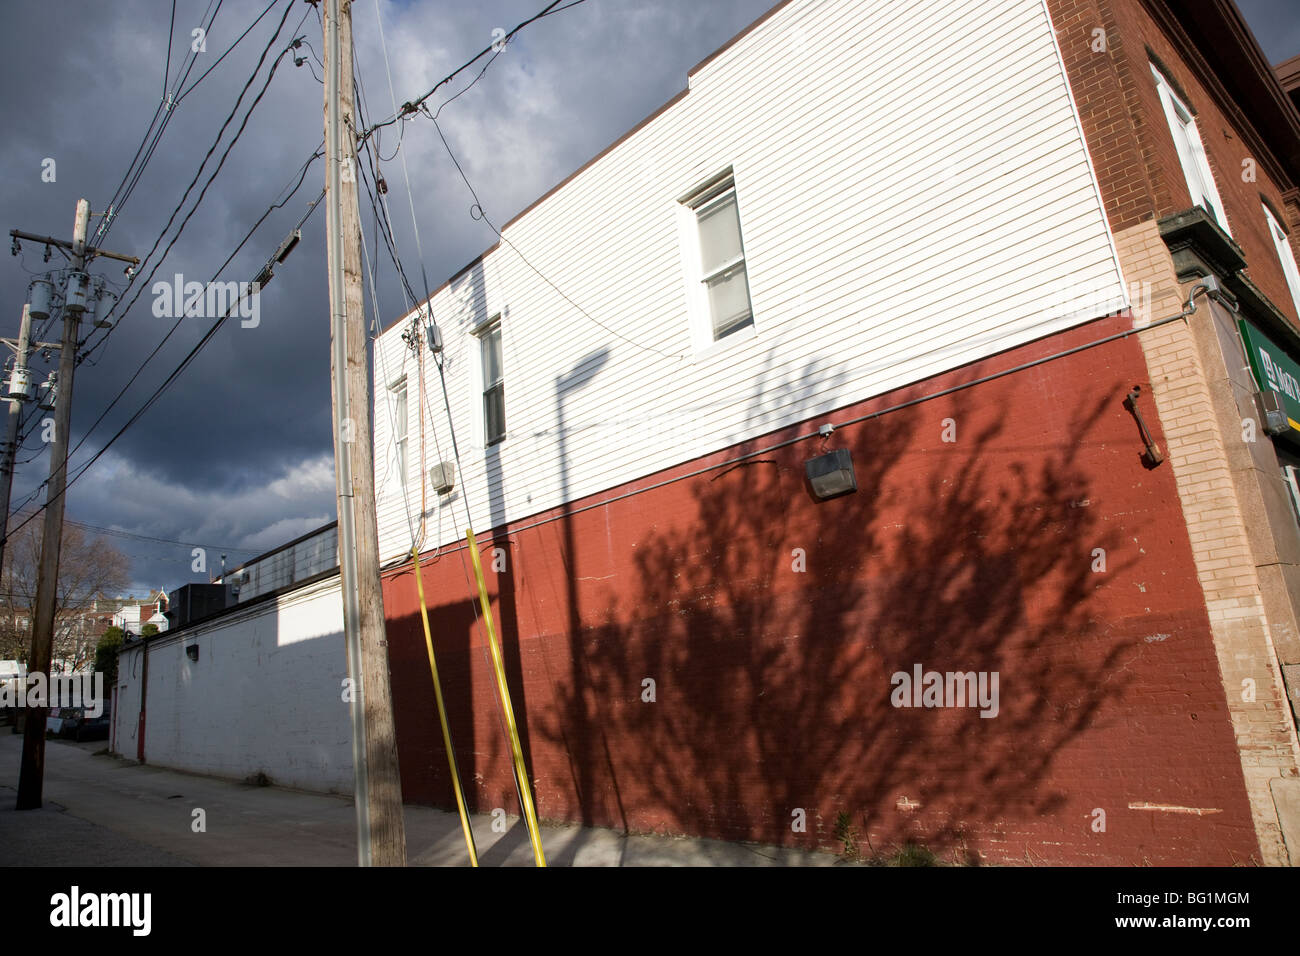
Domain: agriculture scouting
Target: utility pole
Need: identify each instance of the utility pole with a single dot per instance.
(381, 835)
(31, 776)
(20, 386)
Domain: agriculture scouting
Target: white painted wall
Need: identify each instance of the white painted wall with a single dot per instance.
(914, 192)
(265, 695)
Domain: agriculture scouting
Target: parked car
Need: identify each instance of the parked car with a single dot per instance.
(64, 721)
(53, 723)
(94, 728)
(11, 672)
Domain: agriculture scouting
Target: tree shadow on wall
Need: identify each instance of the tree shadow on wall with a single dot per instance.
(771, 624)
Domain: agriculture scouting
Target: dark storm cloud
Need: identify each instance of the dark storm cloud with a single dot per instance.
(238, 451)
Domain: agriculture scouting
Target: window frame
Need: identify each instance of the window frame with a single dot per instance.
(399, 399)
(482, 387)
(1285, 254)
(1192, 155)
(713, 194)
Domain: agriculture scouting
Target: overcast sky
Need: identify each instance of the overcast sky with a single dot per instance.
(237, 454)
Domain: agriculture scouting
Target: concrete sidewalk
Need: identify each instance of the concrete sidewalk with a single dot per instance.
(106, 811)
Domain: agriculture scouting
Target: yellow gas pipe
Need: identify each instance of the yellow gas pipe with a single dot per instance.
(442, 716)
(521, 774)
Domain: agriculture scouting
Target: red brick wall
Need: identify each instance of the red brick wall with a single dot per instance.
(773, 686)
(1131, 145)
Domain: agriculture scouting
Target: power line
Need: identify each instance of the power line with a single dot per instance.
(180, 318)
(482, 214)
(158, 347)
(413, 106)
(203, 165)
(168, 108)
(186, 92)
(207, 337)
(115, 203)
(118, 533)
(171, 39)
(477, 211)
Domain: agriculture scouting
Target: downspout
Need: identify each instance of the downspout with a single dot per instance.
(144, 695)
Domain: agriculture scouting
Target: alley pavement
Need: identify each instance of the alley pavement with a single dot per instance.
(102, 810)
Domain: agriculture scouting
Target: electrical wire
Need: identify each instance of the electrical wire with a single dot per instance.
(382, 225)
(198, 347)
(180, 318)
(477, 212)
(203, 165)
(118, 533)
(203, 76)
(412, 106)
(166, 107)
(171, 39)
(391, 245)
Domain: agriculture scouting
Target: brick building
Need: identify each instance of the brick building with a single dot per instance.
(1070, 474)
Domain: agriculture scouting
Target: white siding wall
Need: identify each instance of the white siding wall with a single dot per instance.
(264, 695)
(914, 194)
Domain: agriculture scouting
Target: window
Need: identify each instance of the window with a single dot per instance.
(493, 381)
(1290, 474)
(722, 258)
(397, 396)
(1191, 152)
(1286, 255)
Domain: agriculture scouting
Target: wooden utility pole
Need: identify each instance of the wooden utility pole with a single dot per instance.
(381, 835)
(78, 292)
(9, 454)
(31, 776)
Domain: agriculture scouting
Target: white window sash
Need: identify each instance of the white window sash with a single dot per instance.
(1289, 475)
(1191, 151)
(1284, 253)
(478, 374)
(401, 412)
(728, 266)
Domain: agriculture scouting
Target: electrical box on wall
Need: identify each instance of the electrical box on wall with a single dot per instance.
(443, 477)
(1272, 413)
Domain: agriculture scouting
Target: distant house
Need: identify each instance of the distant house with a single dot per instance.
(134, 615)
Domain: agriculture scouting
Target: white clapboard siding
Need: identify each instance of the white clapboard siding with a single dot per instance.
(914, 195)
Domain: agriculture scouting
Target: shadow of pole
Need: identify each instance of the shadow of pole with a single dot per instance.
(583, 372)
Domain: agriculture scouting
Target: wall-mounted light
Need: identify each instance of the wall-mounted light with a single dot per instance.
(831, 474)
(192, 651)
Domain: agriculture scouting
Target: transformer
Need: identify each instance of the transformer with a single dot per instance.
(20, 384)
(41, 296)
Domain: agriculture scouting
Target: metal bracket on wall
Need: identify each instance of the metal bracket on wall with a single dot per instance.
(1153, 456)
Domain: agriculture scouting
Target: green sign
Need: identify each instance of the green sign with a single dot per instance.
(1273, 369)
